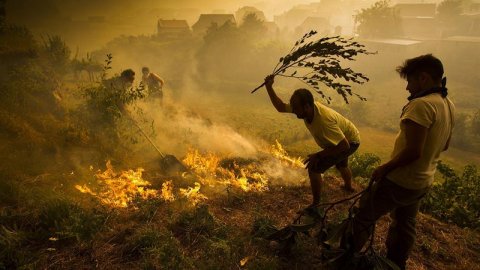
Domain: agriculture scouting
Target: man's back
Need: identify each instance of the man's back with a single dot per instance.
(329, 127)
(436, 114)
(153, 82)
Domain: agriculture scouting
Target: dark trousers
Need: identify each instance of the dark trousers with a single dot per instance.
(403, 204)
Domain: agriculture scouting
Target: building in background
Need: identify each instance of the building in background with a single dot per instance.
(173, 29)
(206, 21)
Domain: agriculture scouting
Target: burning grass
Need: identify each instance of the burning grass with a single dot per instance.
(222, 235)
(120, 189)
(205, 231)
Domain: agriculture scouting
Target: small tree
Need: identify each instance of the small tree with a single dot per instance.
(58, 53)
(379, 20)
(253, 26)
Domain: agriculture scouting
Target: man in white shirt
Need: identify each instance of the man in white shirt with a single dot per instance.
(426, 125)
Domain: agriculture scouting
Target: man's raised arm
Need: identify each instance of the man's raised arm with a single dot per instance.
(276, 101)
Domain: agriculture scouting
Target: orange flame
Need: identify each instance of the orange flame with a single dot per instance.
(193, 194)
(167, 192)
(207, 168)
(119, 189)
(279, 152)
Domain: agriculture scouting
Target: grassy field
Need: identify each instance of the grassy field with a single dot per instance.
(49, 224)
(261, 120)
(226, 234)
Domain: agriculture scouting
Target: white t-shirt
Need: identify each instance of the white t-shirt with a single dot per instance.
(436, 114)
(328, 127)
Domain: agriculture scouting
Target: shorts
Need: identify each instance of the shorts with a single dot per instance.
(340, 160)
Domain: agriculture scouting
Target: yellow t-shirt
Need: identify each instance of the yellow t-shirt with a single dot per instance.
(435, 113)
(328, 127)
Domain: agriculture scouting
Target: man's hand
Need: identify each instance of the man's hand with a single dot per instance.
(269, 80)
(380, 172)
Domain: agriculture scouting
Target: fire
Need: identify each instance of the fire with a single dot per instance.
(167, 192)
(119, 189)
(209, 172)
(279, 152)
(205, 166)
(193, 194)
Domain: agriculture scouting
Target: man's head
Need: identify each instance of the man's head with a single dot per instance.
(422, 73)
(128, 75)
(145, 70)
(302, 104)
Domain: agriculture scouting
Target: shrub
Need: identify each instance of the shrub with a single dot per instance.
(457, 199)
(362, 165)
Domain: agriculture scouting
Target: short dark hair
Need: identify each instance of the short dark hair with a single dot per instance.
(145, 69)
(423, 63)
(303, 95)
(127, 73)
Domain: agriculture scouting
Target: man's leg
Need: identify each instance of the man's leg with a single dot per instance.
(316, 186)
(377, 202)
(343, 168)
(346, 174)
(402, 234)
(384, 197)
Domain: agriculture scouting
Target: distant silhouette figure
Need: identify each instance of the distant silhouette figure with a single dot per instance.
(154, 84)
(119, 86)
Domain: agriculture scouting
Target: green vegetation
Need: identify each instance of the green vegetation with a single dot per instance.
(456, 199)
(362, 165)
(466, 133)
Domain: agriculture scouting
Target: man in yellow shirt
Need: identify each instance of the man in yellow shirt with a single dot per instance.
(154, 84)
(426, 125)
(335, 134)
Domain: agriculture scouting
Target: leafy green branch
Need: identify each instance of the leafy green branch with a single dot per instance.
(319, 62)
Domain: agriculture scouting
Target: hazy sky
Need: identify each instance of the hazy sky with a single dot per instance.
(83, 8)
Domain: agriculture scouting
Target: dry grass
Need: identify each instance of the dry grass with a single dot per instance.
(439, 245)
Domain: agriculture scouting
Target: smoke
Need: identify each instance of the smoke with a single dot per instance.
(178, 128)
(180, 125)
(280, 174)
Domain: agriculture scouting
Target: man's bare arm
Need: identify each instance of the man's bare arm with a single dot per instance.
(276, 101)
(158, 79)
